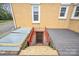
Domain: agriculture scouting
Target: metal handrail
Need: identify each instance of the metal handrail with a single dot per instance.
(30, 36)
(47, 36)
(49, 40)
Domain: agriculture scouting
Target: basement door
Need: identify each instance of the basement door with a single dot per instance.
(39, 37)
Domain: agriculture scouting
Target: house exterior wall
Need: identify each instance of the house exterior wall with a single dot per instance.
(49, 14)
(74, 23)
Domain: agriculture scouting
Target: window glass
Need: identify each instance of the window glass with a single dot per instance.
(35, 12)
(76, 12)
(35, 16)
(63, 10)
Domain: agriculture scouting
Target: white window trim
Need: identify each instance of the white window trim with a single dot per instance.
(38, 15)
(65, 4)
(73, 13)
(65, 12)
(35, 3)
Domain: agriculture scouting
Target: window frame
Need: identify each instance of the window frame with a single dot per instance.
(66, 12)
(73, 13)
(33, 14)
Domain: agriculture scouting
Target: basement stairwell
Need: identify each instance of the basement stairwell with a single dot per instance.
(39, 43)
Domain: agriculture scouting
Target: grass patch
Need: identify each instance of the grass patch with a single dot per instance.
(24, 45)
(52, 45)
(3, 21)
(2, 35)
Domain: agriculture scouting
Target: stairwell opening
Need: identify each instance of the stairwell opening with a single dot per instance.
(39, 37)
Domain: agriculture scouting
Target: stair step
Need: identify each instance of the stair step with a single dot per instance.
(39, 44)
(38, 50)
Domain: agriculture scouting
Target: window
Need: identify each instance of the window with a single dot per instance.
(75, 14)
(35, 13)
(63, 9)
(63, 12)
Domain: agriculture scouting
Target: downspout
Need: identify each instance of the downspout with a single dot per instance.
(13, 15)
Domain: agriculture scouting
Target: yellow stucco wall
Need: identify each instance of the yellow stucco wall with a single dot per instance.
(22, 15)
(73, 24)
(49, 14)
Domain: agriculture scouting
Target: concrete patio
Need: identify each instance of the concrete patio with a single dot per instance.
(65, 41)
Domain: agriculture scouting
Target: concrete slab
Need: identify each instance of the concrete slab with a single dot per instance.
(65, 41)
